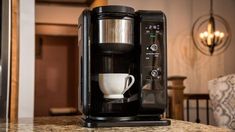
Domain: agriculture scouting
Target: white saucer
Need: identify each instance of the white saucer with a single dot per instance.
(114, 96)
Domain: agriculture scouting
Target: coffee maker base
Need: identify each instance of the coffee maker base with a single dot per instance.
(135, 122)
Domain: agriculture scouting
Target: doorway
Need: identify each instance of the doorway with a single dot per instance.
(56, 74)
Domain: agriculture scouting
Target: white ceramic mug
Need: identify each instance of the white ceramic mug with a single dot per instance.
(114, 85)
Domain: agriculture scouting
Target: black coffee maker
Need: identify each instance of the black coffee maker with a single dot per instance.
(118, 40)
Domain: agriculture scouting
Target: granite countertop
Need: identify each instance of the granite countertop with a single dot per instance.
(71, 123)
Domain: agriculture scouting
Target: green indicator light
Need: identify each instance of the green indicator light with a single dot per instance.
(152, 36)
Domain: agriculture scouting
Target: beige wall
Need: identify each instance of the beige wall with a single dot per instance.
(57, 14)
(227, 8)
(183, 58)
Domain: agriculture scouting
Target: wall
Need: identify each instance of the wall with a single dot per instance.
(57, 14)
(27, 58)
(228, 8)
(183, 58)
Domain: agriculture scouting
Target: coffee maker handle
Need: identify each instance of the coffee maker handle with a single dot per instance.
(129, 86)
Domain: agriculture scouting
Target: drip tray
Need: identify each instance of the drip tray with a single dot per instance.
(124, 100)
(138, 121)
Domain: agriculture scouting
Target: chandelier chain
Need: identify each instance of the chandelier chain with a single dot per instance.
(211, 7)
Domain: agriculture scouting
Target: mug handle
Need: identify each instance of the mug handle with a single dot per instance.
(129, 86)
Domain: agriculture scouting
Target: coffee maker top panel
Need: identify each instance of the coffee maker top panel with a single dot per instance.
(114, 9)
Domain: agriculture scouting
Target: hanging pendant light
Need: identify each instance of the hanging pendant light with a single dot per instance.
(211, 33)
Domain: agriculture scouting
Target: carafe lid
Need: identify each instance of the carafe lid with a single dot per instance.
(114, 9)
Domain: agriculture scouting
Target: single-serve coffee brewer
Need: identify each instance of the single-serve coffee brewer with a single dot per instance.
(122, 67)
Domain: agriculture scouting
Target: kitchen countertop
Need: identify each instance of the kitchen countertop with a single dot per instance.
(71, 123)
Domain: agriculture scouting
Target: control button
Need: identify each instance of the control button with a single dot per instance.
(158, 27)
(154, 47)
(154, 27)
(155, 73)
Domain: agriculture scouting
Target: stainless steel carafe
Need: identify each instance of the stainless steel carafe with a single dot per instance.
(115, 30)
(118, 31)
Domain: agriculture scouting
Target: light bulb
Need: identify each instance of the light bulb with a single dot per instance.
(221, 35)
(201, 35)
(217, 33)
(211, 36)
(206, 34)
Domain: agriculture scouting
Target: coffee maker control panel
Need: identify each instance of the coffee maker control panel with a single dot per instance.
(152, 29)
(151, 44)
